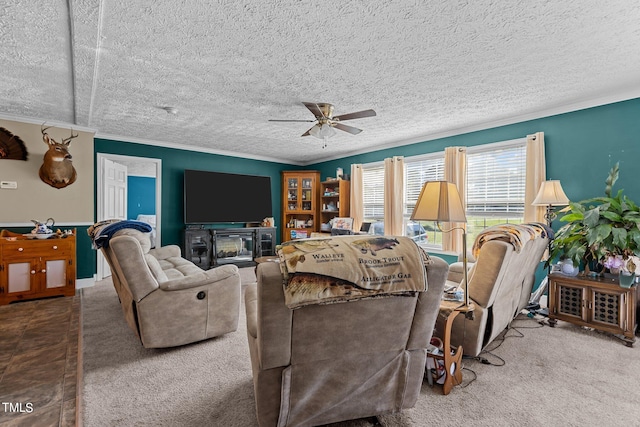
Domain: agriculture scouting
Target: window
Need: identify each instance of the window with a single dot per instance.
(417, 171)
(373, 197)
(496, 175)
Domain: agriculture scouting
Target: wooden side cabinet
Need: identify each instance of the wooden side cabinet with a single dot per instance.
(31, 268)
(300, 204)
(595, 302)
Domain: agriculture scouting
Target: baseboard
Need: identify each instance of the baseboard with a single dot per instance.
(85, 283)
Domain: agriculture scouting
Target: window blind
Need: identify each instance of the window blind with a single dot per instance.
(416, 173)
(373, 188)
(496, 181)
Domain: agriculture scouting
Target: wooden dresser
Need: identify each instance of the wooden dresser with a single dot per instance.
(34, 268)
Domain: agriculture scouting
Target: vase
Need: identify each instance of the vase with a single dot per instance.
(626, 280)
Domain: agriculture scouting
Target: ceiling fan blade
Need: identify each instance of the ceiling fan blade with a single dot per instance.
(350, 129)
(313, 107)
(277, 120)
(357, 115)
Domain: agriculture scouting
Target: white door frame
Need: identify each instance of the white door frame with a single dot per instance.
(100, 194)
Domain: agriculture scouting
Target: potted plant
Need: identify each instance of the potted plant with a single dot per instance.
(602, 231)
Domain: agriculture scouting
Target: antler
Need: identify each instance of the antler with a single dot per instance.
(45, 135)
(67, 141)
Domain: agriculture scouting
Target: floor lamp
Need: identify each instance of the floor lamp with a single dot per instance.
(550, 194)
(440, 201)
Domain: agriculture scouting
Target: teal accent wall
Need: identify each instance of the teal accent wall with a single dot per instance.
(175, 161)
(141, 196)
(580, 149)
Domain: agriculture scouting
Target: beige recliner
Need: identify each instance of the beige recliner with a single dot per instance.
(320, 364)
(500, 284)
(167, 300)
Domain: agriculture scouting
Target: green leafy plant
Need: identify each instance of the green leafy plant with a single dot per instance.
(599, 228)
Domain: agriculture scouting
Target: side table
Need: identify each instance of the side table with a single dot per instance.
(452, 358)
(596, 302)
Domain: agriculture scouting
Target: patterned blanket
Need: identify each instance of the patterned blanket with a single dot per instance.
(344, 268)
(101, 232)
(516, 234)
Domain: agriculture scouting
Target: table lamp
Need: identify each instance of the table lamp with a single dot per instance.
(550, 194)
(440, 201)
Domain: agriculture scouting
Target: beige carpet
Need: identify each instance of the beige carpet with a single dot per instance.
(563, 376)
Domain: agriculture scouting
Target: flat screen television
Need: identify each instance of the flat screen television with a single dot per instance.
(215, 197)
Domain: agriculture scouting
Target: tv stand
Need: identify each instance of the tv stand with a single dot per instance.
(212, 247)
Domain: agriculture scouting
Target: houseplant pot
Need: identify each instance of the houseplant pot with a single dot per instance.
(626, 280)
(598, 230)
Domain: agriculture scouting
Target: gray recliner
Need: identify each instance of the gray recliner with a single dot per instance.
(169, 301)
(500, 284)
(320, 364)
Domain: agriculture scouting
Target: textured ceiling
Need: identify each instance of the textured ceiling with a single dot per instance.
(428, 68)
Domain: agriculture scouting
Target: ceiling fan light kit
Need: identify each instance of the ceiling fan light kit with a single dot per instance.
(326, 122)
(322, 131)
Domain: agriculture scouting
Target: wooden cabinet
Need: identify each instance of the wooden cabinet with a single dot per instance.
(595, 302)
(31, 268)
(334, 199)
(300, 203)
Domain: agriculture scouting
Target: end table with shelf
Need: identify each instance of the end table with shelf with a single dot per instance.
(451, 357)
(596, 302)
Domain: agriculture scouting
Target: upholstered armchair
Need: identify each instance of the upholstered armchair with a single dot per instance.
(169, 301)
(500, 283)
(320, 364)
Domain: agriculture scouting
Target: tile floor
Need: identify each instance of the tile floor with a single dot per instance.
(39, 362)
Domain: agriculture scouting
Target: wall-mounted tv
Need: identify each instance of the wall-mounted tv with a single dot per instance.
(215, 197)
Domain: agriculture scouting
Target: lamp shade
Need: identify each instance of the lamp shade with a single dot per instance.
(439, 201)
(551, 193)
(322, 131)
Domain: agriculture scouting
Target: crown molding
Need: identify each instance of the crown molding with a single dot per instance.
(40, 122)
(561, 109)
(191, 148)
(549, 112)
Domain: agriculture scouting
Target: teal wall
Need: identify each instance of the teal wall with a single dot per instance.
(580, 146)
(141, 196)
(175, 161)
(580, 149)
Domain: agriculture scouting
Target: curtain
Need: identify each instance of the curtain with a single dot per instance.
(455, 171)
(535, 175)
(393, 195)
(356, 199)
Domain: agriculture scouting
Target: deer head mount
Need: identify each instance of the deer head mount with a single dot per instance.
(57, 169)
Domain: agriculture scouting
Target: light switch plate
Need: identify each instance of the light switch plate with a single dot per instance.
(9, 185)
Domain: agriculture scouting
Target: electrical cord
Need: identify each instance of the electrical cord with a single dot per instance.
(500, 340)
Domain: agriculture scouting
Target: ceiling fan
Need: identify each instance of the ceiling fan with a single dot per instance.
(326, 121)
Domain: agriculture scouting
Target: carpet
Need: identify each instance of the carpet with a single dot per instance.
(538, 375)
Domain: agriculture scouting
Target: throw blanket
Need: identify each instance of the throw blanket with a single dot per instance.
(101, 232)
(344, 268)
(516, 234)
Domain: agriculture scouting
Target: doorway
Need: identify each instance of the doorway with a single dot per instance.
(112, 194)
